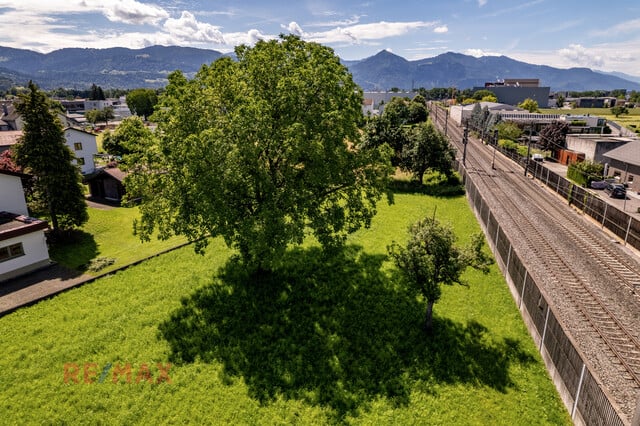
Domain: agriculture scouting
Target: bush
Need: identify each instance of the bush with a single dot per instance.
(585, 172)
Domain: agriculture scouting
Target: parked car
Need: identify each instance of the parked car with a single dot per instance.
(599, 184)
(537, 157)
(616, 190)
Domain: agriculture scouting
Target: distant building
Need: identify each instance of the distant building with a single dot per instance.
(9, 138)
(514, 91)
(461, 113)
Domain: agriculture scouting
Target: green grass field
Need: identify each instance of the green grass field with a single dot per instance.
(328, 338)
(630, 121)
(108, 234)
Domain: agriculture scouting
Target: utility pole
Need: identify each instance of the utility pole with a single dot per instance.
(526, 166)
(465, 139)
(446, 121)
(495, 147)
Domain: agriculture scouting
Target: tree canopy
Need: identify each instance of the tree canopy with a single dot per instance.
(42, 152)
(619, 110)
(431, 258)
(553, 135)
(260, 151)
(130, 136)
(141, 102)
(529, 104)
(427, 149)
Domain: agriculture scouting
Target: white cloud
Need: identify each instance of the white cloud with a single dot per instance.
(441, 29)
(482, 2)
(579, 55)
(294, 29)
(479, 53)
(188, 29)
(132, 12)
(361, 33)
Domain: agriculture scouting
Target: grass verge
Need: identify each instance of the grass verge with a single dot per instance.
(325, 339)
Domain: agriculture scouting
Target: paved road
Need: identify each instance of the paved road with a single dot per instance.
(42, 284)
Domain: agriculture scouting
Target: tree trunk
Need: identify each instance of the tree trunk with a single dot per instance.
(428, 319)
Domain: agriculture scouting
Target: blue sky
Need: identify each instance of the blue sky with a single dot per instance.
(562, 33)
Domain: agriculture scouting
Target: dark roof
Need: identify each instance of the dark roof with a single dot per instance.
(113, 172)
(14, 225)
(627, 153)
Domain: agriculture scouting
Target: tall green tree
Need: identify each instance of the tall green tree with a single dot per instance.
(431, 259)
(42, 152)
(261, 151)
(427, 149)
(142, 101)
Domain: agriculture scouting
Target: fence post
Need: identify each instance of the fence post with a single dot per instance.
(544, 330)
(577, 397)
(628, 228)
(524, 282)
(604, 215)
(547, 178)
(506, 272)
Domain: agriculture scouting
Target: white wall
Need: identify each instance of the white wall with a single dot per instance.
(35, 256)
(11, 195)
(89, 148)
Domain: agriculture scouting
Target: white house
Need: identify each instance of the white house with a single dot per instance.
(23, 247)
(84, 146)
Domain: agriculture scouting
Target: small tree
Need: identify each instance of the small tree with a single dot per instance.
(529, 104)
(619, 110)
(553, 135)
(509, 130)
(43, 153)
(129, 137)
(142, 101)
(431, 258)
(427, 149)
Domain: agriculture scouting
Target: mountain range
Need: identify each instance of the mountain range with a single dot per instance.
(128, 68)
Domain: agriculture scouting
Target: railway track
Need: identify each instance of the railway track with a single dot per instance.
(533, 215)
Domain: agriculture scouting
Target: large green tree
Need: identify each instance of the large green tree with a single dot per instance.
(431, 258)
(261, 151)
(141, 102)
(427, 149)
(42, 152)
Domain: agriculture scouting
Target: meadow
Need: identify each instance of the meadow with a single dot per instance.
(325, 338)
(630, 120)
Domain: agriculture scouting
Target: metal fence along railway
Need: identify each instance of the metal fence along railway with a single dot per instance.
(581, 391)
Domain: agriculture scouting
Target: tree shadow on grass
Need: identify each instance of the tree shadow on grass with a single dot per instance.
(333, 330)
(436, 186)
(74, 249)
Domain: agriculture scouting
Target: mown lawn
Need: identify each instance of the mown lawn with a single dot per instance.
(108, 234)
(327, 338)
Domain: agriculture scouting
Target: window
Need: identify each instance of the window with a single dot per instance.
(80, 161)
(77, 146)
(630, 178)
(11, 252)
